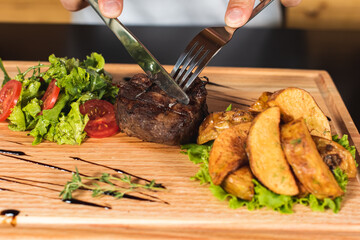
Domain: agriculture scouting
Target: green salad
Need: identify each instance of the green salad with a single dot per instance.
(49, 102)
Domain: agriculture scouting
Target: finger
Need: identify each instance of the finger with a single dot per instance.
(290, 3)
(238, 12)
(111, 8)
(73, 5)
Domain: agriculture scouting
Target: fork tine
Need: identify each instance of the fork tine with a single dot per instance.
(182, 57)
(189, 63)
(194, 64)
(201, 65)
(190, 57)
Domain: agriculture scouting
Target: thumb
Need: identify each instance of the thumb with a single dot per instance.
(111, 8)
(238, 12)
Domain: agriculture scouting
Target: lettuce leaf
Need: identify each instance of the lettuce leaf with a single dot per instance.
(70, 129)
(344, 141)
(17, 119)
(263, 197)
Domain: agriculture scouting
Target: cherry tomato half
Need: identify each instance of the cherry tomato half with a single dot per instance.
(9, 95)
(50, 96)
(102, 121)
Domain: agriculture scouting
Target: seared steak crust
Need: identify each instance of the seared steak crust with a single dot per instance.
(143, 110)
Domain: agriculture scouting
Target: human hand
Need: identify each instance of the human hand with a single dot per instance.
(239, 11)
(109, 8)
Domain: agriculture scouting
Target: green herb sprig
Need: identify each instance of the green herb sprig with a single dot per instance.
(111, 186)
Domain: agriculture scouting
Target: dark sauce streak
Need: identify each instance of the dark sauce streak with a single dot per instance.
(64, 170)
(218, 85)
(26, 193)
(35, 181)
(71, 201)
(17, 153)
(328, 118)
(10, 214)
(43, 164)
(116, 170)
(19, 143)
(28, 184)
(76, 201)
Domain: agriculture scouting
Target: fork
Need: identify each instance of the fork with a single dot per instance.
(202, 48)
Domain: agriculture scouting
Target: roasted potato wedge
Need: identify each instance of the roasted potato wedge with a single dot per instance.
(306, 162)
(297, 103)
(260, 104)
(217, 122)
(267, 159)
(239, 183)
(335, 155)
(228, 152)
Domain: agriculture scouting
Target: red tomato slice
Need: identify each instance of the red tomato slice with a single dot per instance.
(50, 96)
(102, 121)
(9, 95)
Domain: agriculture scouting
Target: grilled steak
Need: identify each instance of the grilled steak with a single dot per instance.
(143, 110)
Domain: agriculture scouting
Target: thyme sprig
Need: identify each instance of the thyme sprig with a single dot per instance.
(109, 188)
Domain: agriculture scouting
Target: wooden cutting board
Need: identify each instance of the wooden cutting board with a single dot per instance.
(192, 212)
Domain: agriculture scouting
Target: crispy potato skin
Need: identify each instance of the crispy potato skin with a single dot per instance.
(335, 155)
(266, 157)
(306, 162)
(217, 122)
(297, 103)
(239, 183)
(228, 152)
(261, 104)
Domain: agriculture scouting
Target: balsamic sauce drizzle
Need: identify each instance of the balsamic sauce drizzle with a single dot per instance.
(76, 201)
(10, 213)
(28, 184)
(4, 178)
(19, 143)
(30, 180)
(17, 153)
(26, 193)
(218, 85)
(11, 155)
(43, 164)
(72, 201)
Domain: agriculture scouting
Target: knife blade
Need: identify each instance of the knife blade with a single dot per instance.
(143, 57)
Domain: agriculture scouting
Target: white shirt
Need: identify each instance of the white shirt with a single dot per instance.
(179, 13)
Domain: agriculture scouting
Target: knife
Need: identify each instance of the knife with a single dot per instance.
(143, 57)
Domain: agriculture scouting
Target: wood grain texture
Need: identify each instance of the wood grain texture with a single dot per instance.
(193, 213)
(324, 14)
(33, 11)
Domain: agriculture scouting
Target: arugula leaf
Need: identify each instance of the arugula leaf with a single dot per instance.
(229, 108)
(6, 75)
